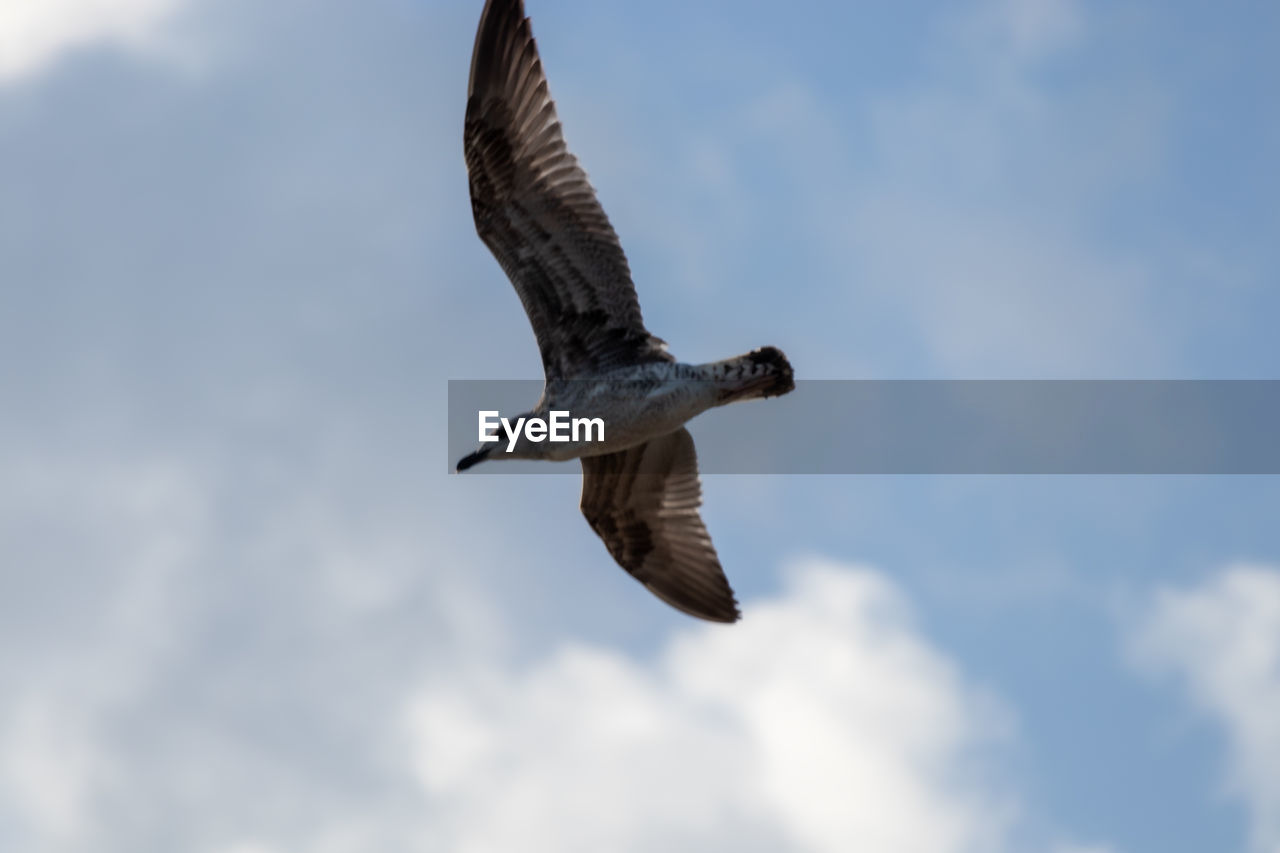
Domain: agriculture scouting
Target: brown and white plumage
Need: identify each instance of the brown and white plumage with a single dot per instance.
(643, 503)
(537, 213)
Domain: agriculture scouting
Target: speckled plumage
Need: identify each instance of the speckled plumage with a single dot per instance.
(538, 214)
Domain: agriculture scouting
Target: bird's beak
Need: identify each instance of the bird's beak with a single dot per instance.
(472, 458)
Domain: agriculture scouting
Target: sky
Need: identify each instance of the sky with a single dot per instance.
(244, 608)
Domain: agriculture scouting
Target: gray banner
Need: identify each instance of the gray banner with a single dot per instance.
(950, 427)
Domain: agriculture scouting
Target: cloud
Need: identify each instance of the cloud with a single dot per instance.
(1030, 29)
(211, 615)
(1222, 640)
(249, 847)
(824, 721)
(33, 35)
(174, 678)
(99, 554)
(992, 255)
(190, 660)
(52, 764)
(951, 218)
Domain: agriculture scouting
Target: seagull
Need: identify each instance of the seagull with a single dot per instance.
(539, 216)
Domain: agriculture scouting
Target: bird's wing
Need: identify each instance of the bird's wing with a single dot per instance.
(643, 502)
(537, 213)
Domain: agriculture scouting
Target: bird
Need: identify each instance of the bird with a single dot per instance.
(538, 214)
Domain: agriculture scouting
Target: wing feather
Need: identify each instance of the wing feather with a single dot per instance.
(537, 212)
(643, 502)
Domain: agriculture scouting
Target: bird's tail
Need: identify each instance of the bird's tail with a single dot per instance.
(763, 372)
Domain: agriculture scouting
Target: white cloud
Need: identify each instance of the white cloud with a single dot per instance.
(207, 662)
(1223, 640)
(1011, 287)
(35, 33)
(167, 687)
(94, 556)
(948, 243)
(52, 765)
(250, 847)
(1032, 29)
(823, 721)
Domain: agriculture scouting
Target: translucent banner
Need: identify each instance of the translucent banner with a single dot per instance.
(944, 427)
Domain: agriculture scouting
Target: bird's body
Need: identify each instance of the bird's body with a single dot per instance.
(537, 213)
(645, 401)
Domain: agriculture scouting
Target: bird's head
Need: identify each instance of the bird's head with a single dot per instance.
(473, 458)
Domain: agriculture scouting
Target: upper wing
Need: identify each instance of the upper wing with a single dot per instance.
(643, 503)
(537, 213)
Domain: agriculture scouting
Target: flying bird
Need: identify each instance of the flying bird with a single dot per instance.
(539, 216)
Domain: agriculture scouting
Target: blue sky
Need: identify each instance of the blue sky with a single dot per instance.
(243, 611)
